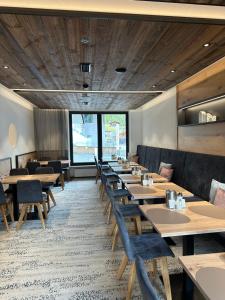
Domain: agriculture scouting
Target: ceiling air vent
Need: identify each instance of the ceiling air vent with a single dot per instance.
(85, 67)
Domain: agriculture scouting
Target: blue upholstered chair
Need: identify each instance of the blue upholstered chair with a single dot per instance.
(32, 166)
(29, 193)
(46, 187)
(147, 290)
(6, 203)
(16, 172)
(148, 246)
(57, 167)
(110, 178)
(130, 211)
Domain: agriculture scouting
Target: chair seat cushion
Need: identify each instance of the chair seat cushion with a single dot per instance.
(130, 210)
(120, 193)
(109, 174)
(150, 246)
(45, 189)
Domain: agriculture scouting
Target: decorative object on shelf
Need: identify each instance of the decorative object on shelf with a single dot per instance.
(202, 116)
(209, 117)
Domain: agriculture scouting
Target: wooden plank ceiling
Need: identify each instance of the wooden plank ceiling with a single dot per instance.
(45, 52)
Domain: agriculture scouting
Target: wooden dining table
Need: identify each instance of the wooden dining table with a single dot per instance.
(200, 217)
(120, 169)
(45, 162)
(207, 272)
(129, 178)
(12, 180)
(116, 164)
(157, 190)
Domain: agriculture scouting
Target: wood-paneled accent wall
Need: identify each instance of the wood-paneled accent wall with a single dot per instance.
(22, 159)
(209, 139)
(208, 83)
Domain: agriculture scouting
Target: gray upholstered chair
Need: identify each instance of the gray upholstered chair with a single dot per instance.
(148, 246)
(32, 166)
(46, 187)
(57, 167)
(6, 203)
(29, 193)
(147, 289)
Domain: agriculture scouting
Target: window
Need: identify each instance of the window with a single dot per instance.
(113, 136)
(98, 134)
(85, 137)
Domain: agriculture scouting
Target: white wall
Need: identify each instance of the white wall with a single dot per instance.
(19, 112)
(160, 121)
(135, 129)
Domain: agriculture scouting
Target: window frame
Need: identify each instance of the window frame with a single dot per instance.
(99, 131)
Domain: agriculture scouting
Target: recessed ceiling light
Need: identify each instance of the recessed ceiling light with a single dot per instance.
(85, 103)
(5, 67)
(121, 70)
(206, 45)
(172, 71)
(154, 86)
(85, 85)
(84, 40)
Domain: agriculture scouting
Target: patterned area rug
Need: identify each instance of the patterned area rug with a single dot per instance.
(72, 258)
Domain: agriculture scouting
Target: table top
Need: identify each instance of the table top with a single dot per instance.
(45, 162)
(197, 218)
(207, 271)
(42, 177)
(120, 169)
(116, 164)
(157, 190)
(129, 178)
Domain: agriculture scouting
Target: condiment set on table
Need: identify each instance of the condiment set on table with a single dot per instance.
(136, 171)
(175, 200)
(146, 180)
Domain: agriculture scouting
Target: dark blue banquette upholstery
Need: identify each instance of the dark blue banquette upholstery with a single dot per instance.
(192, 171)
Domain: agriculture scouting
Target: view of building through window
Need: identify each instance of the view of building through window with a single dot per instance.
(85, 133)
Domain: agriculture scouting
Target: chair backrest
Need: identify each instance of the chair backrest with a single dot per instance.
(2, 195)
(29, 191)
(44, 170)
(56, 165)
(124, 235)
(32, 166)
(19, 171)
(146, 287)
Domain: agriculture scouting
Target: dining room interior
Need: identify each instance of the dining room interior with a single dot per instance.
(112, 150)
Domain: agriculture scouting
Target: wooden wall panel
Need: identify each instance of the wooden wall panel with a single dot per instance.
(209, 139)
(206, 84)
(22, 159)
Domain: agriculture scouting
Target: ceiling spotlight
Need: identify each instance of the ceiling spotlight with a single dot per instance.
(172, 71)
(206, 45)
(85, 103)
(85, 85)
(85, 67)
(84, 40)
(153, 86)
(5, 67)
(121, 70)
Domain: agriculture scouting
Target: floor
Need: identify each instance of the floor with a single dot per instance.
(72, 258)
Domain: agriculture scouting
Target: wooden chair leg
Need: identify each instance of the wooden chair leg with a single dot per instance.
(52, 197)
(10, 209)
(131, 281)
(2, 208)
(115, 238)
(113, 227)
(25, 216)
(106, 208)
(97, 176)
(109, 213)
(103, 194)
(166, 277)
(122, 267)
(39, 206)
(138, 228)
(153, 268)
(45, 209)
(22, 214)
